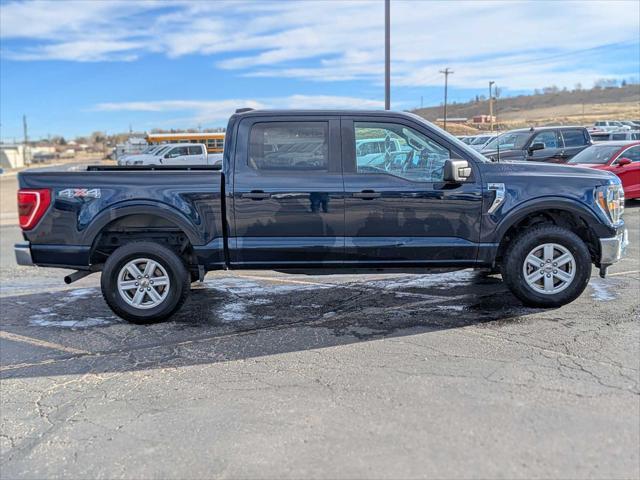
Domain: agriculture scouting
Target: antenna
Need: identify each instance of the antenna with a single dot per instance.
(497, 124)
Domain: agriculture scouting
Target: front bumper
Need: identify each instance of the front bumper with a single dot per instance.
(23, 254)
(612, 249)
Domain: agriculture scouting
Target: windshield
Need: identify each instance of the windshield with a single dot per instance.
(162, 150)
(508, 141)
(480, 140)
(596, 155)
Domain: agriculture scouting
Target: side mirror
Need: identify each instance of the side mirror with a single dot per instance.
(456, 170)
(536, 146)
(623, 161)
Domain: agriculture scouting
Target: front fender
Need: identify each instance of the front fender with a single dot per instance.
(575, 207)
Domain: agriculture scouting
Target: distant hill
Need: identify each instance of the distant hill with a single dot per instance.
(562, 107)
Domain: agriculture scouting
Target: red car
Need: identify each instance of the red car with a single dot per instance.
(621, 158)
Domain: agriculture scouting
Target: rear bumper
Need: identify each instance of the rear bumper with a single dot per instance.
(23, 254)
(57, 256)
(612, 249)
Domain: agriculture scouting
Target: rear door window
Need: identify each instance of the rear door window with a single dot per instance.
(195, 150)
(574, 138)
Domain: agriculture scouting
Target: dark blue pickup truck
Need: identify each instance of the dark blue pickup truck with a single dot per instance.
(323, 190)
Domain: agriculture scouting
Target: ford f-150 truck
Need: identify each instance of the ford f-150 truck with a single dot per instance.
(294, 194)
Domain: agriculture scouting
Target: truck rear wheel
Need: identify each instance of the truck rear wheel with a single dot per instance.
(144, 282)
(547, 266)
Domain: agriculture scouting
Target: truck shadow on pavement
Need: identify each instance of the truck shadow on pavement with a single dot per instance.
(235, 317)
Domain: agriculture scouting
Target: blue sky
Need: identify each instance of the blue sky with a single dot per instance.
(74, 67)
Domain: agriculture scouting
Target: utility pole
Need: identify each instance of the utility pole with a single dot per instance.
(446, 73)
(491, 104)
(495, 106)
(26, 140)
(387, 54)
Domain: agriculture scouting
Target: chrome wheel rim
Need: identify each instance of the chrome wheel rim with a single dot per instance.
(143, 283)
(549, 268)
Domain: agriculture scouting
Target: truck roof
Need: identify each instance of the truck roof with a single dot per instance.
(337, 112)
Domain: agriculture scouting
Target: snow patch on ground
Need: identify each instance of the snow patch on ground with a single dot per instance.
(54, 320)
(601, 291)
(442, 280)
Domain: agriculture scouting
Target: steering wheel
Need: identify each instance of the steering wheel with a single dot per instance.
(408, 161)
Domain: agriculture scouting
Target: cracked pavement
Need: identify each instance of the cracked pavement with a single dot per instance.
(374, 376)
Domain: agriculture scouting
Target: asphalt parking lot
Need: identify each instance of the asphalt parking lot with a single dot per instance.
(373, 376)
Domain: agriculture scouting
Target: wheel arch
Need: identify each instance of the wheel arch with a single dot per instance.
(560, 211)
(145, 208)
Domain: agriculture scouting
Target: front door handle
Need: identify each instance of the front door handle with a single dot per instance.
(256, 195)
(367, 194)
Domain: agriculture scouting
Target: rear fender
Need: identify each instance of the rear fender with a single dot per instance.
(141, 207)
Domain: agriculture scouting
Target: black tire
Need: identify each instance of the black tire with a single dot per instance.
(175, 268)
(519, 248)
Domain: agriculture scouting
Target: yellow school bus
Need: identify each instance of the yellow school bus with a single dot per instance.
(213, 141)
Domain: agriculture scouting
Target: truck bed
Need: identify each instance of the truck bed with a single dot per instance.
(91, 208)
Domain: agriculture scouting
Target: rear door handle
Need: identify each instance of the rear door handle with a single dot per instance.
(256, 195)
(367, 194)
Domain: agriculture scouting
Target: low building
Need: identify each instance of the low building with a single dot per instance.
(484, 119)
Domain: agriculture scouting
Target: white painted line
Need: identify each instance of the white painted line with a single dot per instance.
(617, 274)
(41, 343)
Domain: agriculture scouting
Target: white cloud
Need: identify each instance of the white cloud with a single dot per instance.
(519, 44)
(210, 111)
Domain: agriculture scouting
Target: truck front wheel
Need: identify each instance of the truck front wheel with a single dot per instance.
(547, 266)
(144, 282)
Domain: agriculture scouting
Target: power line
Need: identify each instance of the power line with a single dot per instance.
(446, 73)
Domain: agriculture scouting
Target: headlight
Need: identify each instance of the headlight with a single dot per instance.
(610, 199)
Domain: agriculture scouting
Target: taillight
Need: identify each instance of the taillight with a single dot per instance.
(32, 204)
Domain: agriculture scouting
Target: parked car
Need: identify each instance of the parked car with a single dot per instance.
(621, 135)
(621, 158)
(610, 126)
(173, 154)
(539, 144)
(598, 136)
(631, 124)
(466, 138)
(628, 135)
(479, 141)
(150, 150)
(153, 230)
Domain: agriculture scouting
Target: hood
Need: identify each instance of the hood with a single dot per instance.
(557, 174)
(594, 166)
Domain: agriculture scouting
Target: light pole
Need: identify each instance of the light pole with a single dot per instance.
(491, 104)
(446, 73)
(387, 54)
